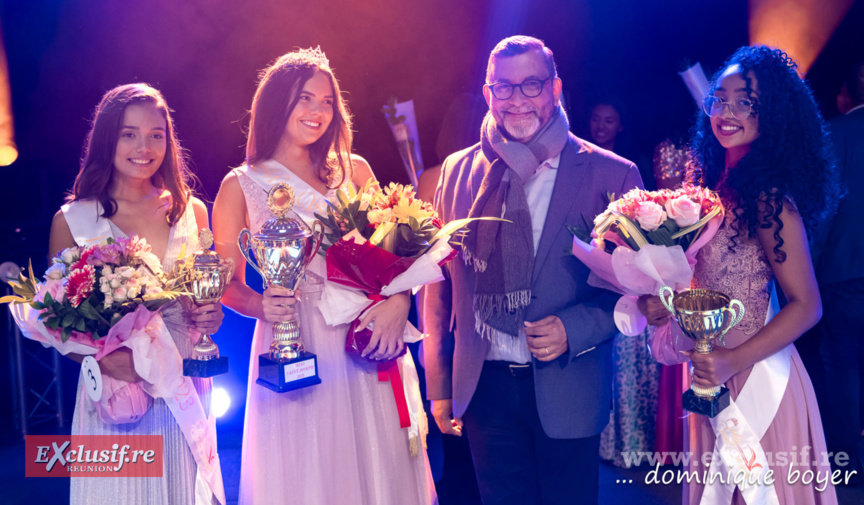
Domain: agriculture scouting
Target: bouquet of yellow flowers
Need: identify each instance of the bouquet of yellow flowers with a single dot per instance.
(392, 218)
(380, 242)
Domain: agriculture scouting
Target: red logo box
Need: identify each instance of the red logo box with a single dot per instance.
(93, 456)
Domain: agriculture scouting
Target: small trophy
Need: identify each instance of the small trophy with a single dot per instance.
(701, 314)
(283, 247)
(207, 279)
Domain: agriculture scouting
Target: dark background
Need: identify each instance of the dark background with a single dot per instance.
(204, 56)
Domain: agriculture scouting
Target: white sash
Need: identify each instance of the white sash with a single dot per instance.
(307, 200)
(199, 429)
(739, 428)
(85, 221)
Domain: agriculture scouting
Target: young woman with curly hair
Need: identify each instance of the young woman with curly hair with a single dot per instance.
(761, 144)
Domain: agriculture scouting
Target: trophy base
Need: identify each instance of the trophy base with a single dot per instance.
(708, 407)
(205, 368)
(288, 374)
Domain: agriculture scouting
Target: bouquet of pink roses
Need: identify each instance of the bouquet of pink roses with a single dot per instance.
(96, 299)
(648, 239)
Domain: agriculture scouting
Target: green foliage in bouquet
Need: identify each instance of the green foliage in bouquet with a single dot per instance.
(95, 287)
(391, 218)
(665, 218)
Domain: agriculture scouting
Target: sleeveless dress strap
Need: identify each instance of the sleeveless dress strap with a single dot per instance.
(86, 223)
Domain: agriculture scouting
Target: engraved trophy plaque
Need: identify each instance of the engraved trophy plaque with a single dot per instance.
(207, 280)
(282, 249)
(702, 316)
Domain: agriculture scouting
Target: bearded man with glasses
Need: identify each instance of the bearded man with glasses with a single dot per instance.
(519, 352)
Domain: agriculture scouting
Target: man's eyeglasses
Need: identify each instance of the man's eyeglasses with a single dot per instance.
(530, 88)
(740, 109)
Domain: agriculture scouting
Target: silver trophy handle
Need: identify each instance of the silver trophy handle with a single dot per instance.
(229, 266)
(317, 237)
(244, 250)
(664, 291)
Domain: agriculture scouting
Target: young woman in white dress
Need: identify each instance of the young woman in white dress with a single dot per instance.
(339, 441)
(133, 181)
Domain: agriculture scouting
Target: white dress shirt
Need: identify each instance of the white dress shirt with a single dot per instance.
(538, 192)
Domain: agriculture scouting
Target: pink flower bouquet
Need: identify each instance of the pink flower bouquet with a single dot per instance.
(648, 239)
(96, 299)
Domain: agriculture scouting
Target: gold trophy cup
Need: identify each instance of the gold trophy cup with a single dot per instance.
(282, 249)
(207, 279)
(703, 315)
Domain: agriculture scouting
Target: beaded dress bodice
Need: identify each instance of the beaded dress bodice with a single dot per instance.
(743, 273)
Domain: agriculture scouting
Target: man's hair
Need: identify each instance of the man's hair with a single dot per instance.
(855, 84)
(520, 44)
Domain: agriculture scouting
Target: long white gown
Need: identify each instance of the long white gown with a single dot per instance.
(338, 442)
(177, 484)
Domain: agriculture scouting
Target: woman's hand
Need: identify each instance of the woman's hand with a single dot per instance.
(653, 309)
(119, 365)
(389, 318)
(279, 303)
(207, 318)
(713, 369)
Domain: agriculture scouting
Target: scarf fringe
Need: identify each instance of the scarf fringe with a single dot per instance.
(479, 266)
(495, 336)
(488, 306)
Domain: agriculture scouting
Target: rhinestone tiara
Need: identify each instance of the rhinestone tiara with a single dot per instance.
(315, 56)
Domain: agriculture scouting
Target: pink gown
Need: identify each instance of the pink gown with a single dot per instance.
(745, 274)
(338, 442)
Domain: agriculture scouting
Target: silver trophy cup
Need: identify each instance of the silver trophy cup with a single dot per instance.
(282, 248)
(207, 279)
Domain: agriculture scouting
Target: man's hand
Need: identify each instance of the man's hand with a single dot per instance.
(442, 410)
(547, 338)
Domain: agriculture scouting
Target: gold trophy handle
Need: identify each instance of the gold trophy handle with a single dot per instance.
(737, 316)
(243, 241)
(664, 291)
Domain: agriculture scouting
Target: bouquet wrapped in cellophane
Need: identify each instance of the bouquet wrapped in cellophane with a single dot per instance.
(382, 242)
(648, 239)
(94, 300)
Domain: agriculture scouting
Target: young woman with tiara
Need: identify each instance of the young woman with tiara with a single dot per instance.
(762, 145)
(134, 181)
(339, 441)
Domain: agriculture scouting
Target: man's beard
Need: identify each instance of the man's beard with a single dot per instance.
(522, 129)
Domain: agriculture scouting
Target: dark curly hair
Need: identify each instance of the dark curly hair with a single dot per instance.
(790, 163)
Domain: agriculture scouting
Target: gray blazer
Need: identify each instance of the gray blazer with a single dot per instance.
(574, 391)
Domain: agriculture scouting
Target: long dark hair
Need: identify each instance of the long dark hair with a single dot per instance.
(278, 93)
(791, 161)
(97, 162)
